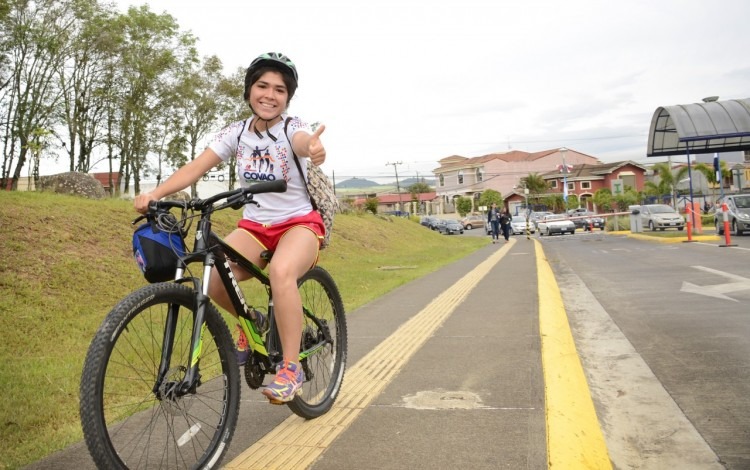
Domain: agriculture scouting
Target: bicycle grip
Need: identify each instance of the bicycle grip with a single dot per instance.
(278, 186)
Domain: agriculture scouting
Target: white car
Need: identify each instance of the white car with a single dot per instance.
(660, 217)
(556, 223)
(518, 225)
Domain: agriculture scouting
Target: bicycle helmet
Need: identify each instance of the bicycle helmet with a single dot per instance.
(277, 61)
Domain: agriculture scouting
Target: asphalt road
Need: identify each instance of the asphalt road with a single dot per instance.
(683, 308)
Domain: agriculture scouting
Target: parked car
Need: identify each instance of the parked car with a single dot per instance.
(471, 222)
(535, 217)
(450, 226)
(587, 219)
(429, 222)
(518, 225)
(556, 223)
(661, 217)
(738, 214)
(424, 221)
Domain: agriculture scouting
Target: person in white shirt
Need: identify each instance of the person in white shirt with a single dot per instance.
(282, 222)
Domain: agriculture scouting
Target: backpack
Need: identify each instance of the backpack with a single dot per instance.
(320, 191)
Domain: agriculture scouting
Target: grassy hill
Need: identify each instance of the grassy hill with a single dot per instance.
(66, 261)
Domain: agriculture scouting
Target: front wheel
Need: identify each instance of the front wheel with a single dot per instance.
(324, 344)
(132, 417)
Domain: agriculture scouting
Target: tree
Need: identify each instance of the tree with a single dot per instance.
(83, 82)
(603, 199)
(668, 179)
(202, 104)
(37, 40)
(419, 188)
(151, 54)
(463, 206)
(709, 173)
(490, 196)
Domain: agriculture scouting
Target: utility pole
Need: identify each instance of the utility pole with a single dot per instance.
(398, 187)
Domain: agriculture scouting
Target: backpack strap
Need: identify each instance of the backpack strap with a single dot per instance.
(299, 166)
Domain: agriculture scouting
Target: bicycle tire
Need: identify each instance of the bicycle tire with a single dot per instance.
(324, 369)
(125, 424)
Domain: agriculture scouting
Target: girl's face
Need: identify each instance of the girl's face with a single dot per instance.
(268, 96)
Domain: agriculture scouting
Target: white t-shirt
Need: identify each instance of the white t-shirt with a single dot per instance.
(262, 159)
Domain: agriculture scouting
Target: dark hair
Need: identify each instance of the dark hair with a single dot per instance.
(254, 73)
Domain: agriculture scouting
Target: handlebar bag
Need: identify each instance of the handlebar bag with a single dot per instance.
(156, 252)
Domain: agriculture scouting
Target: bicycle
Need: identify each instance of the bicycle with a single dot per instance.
(161, 384)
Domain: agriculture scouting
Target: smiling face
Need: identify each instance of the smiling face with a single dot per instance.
(269, 96)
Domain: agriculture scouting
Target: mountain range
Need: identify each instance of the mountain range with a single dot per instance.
(353, 183)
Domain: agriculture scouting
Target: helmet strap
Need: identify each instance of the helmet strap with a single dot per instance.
(257, 132)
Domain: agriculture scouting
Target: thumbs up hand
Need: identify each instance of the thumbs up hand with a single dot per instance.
(315, 149)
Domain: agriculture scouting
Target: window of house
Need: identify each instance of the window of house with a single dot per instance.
(553, 184)
(747, 156)
(480, 175)
(585, 184)
(461, 177)
(571, 186)
(441, 178)
(628, 179)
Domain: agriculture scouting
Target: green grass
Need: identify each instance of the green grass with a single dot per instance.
(66, 261)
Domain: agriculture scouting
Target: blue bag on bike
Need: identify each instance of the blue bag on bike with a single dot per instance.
(156, 252)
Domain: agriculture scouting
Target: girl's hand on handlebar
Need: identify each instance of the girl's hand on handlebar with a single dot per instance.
(141, 202)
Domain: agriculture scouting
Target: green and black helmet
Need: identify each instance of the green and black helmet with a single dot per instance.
(276, 61)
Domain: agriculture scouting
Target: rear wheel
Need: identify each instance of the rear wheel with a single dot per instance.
(132, 418)
(324, 344)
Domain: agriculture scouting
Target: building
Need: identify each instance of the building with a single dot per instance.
(468, 177)
(425, 203)
(585, 180)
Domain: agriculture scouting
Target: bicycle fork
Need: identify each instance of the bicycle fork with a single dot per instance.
(164, 388)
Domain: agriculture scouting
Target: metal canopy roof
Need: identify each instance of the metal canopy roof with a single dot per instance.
(715, 126)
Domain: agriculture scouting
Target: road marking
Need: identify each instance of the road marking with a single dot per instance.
(574, 437)
(717, 290)
(297, 443)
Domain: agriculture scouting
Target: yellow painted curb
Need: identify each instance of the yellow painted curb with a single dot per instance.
(574, 437)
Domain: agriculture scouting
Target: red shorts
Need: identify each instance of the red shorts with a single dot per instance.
(269, 235)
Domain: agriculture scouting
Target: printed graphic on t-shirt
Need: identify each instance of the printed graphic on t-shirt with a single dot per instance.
(258, 166)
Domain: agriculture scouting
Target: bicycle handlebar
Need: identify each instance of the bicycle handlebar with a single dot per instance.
(235, 198)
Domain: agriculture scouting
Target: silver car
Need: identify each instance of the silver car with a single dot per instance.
(661, 217)
(556, 223)
(518, 225)
(738, 214)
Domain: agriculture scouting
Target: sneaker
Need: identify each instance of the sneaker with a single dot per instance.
(288, 382)
(243, 352)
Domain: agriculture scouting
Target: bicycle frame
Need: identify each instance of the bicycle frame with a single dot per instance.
(214, 252)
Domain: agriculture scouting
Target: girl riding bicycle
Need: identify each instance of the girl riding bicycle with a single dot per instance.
(284, 223)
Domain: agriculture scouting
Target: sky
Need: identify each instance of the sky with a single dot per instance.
(402, 84)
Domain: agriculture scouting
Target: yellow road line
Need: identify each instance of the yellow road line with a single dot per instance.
(297, 443)
(574, 437)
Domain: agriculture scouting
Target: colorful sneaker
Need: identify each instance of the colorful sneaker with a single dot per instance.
(243, 352)
(288, 382)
